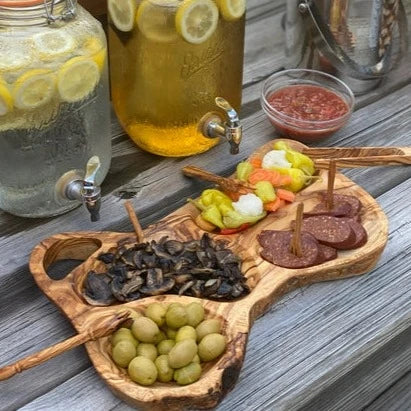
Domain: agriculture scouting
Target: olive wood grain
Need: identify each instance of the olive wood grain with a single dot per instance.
(354, 157)
(101, 329)
(332, 169)
(267, 283)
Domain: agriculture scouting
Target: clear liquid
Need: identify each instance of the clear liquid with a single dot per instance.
(162, 85)
(33, 159)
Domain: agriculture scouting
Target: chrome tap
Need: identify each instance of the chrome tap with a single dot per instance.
(72, 186)
(213, 125)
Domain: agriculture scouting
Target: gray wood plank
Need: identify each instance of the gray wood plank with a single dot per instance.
(311, 337)
(395, 398)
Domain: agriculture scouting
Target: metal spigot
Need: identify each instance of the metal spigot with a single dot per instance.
(213, 125)
(86, 190)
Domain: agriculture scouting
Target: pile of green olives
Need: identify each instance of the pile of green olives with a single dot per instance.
(167, 343)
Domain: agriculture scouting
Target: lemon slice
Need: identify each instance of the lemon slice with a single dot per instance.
(94, 48)
(231, 9)
(122, 13)
(14, 59)
(77, 78)
(6, 100)
(196, 20)
(34, 89)
(156, 20)
(53, 43)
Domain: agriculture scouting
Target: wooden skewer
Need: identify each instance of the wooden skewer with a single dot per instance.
(134, 220)
(229, 184)
(296, 239)
(103, 329)
(331, 180)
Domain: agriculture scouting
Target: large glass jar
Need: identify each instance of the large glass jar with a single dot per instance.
(54, 103)
(169, 60)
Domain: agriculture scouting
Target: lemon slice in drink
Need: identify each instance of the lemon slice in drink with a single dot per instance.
(196, 20)
(6, 100)
(53, 43)
(77, 78)
(122, 13)
(33, 89)
(14, 59)
(94, 48)
(231, 9)
(156, 20)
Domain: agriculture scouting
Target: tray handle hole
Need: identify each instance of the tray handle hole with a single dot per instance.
(66, 255)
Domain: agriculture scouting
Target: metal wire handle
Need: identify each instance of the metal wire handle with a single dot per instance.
(68, 14)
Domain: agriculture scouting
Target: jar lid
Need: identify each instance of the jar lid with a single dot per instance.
(20, 3)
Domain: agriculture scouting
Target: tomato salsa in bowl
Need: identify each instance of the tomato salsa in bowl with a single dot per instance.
(306, 105)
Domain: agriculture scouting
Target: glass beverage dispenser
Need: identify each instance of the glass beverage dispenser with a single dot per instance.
(55, 146)
(169, 61)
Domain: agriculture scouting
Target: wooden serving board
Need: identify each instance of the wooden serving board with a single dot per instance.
(267, 282)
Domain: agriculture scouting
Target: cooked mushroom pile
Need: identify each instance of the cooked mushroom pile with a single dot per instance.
(199, 268)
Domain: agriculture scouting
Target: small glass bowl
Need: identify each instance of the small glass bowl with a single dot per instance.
(305, 130)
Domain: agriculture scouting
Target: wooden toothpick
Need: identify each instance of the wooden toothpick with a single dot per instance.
(134, 220)
(296, 248)
(331, 179)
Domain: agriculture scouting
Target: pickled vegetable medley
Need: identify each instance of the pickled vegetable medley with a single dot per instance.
(275, 178)
(167, 343)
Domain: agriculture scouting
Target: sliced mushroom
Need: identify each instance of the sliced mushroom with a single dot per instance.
(158, 289)
(97, 289)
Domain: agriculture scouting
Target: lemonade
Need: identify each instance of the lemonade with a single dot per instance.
(169, 59)
(54, 108)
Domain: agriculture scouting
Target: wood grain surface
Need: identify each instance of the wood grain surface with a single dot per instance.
(311, 339)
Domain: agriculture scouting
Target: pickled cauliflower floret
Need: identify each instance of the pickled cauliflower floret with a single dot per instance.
(249, 205)
(276, 158)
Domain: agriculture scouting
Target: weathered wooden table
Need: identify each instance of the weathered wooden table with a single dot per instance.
(337, 345)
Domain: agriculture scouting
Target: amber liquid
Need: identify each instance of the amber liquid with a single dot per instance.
(162, 86)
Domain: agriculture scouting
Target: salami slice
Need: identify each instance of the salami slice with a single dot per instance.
(329, 253)
(343, 198)
(332, 231)
(361, 235)
(276, 249)
(340, 209)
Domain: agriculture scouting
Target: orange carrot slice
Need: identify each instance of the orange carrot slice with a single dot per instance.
(285, 195)
(256, 162)
(273, 206)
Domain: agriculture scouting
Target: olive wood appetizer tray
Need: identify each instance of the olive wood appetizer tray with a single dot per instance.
(267, 282)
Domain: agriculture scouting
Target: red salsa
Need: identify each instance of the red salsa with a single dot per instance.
(305, 103)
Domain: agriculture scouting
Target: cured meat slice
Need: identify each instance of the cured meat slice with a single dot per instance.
(329, 253)
(276, 249)
(361, 235)
(354, 202)
(332, 231)
(339, 210)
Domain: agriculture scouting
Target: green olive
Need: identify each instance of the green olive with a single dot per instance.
(133, 314)
(182, 353)
(176, 317)
(185, 333)
(147, 350)
(195, 314)
(196, 359)
(165, 372)
(174, 305)
(156, 312)
(145, 329)
(123, 352)
(211, 346)
(171, 334)
(165, 346)
(207, 327)
(142, 370)
(123, 334)
(159, 337)
(188, 374)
